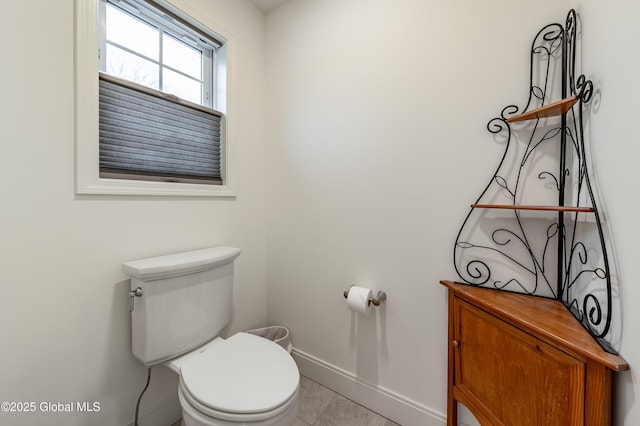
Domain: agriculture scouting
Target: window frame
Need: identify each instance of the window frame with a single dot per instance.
(87, 65)
(205, 44)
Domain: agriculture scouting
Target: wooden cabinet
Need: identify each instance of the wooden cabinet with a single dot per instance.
(523, 360)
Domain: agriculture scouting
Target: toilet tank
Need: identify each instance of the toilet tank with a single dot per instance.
(185, 302)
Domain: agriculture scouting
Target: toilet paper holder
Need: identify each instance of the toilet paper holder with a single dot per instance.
(375, 301)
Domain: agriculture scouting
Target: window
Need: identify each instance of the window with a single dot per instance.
(140, 44)
(148, 129)
(158, 92)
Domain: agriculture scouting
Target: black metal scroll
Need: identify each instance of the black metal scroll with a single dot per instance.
(560, 254)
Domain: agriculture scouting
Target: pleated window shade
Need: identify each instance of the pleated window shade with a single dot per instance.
(149, 135)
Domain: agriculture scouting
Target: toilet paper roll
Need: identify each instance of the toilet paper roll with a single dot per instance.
(358, 299)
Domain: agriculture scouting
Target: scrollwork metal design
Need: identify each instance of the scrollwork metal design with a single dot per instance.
(558, 255)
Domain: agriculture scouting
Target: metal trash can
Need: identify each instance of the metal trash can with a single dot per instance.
(275, 333)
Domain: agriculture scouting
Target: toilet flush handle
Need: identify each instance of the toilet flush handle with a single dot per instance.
(134, 293)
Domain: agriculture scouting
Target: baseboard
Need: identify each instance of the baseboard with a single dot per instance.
(164, 413)
(383, 401)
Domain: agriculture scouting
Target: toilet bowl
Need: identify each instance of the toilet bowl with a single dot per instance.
(244, 379)
(178, 305)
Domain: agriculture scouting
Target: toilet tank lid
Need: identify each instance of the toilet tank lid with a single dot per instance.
(177, 264)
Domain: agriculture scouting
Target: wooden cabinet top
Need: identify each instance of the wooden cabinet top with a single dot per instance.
(547, 319)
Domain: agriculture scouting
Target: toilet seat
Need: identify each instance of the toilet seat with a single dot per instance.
(246, 378)
(193, 410)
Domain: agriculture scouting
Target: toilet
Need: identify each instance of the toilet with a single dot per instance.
(179, 303)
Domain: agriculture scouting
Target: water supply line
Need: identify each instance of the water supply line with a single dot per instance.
(140, 397)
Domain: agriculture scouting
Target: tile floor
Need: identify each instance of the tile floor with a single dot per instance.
(319, 406)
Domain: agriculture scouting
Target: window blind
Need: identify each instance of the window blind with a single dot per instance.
(155, 136)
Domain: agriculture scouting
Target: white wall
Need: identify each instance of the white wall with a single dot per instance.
(378, 146)
(610, 58)
(63, 301)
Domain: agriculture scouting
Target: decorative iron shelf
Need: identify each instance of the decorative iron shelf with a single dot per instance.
(551, 110)
(566, 209)
(562, 258)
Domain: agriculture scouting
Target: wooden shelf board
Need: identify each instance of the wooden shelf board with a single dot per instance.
(541, 316)
(543, 208)
(551, 110)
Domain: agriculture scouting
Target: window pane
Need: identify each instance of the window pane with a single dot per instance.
(132, 33)
(123, 64)
(181, 86)
(181, 56)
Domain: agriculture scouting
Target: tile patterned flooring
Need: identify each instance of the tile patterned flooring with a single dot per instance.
(319, 406)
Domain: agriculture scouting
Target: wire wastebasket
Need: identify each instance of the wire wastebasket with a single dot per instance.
(275, 333)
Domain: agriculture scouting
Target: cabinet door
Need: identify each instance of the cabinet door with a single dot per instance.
(507, 374)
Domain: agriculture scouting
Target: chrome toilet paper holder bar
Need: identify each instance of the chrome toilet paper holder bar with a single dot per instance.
(375, 301)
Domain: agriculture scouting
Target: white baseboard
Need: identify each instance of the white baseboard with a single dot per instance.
(383, 401)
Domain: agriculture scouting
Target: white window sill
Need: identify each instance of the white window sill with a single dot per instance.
(131, 187)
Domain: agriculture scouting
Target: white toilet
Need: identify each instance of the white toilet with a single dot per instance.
(180, 303)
